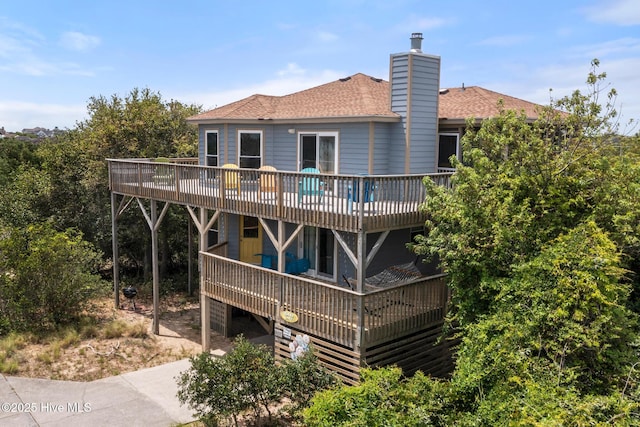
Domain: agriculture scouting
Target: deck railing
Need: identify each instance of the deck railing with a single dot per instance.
(341, 202)
(339, 314)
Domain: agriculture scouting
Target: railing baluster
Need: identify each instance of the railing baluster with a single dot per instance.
(392, 201)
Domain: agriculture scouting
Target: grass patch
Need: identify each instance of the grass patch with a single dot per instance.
(115, 329)
(120, 328)
(9, 352)
(138, 330)
(9, 367)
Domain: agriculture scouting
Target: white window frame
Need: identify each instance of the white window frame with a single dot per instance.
(207, 156)
(239, 148)
(458, 152)
(318, 135)
(313, 270)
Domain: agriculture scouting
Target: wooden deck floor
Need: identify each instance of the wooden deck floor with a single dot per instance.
(390, 202)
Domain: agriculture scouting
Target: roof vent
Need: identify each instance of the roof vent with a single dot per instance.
(444, 91)
(416, 42)
(345, 79)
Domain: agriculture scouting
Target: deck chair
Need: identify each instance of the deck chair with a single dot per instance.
(310, 185)
(231, 178)
(163, 174)
(268, 182)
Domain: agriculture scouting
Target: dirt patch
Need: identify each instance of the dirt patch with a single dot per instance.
(115, 341)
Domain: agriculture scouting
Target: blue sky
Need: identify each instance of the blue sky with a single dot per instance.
(55, 55)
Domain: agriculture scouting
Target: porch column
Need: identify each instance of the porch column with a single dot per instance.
(361, 274)
(114, 250)
(155, 267)
(205, 301)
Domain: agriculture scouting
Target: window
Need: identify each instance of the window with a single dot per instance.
(447, 146)
(318, 246)
(211, 154)
(318, 150)
(250, 149)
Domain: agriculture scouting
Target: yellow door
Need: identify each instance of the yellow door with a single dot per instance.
(250, 239)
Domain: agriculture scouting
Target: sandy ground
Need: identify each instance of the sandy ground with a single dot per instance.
(99, 354)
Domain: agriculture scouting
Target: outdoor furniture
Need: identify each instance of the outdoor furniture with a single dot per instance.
(163, 174)
(268, 182)
(295, 265)
(310, 185)
(269, 261)
(231, 177)
(353, 192)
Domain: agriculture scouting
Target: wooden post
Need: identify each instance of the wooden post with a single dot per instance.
(205, 301)
(155, 268)
(189, 257)
(114, 249)
(361, 274)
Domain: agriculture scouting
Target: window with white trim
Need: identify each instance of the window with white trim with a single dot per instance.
(250, 149)
(211, 148)
(448, 145)
(319, 150)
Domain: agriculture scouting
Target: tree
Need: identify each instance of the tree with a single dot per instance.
(539, 236)
(218, 388)
(521, 185)
(47, 278)
(382, 398)
(247, 379)
(140, 125)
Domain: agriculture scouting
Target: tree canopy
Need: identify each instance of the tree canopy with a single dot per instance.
(539, 237)
(55, 207)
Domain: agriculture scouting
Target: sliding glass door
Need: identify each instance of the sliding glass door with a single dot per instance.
(319, 150)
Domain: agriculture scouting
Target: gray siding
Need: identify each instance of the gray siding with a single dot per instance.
(415, 83)
(382, 147)
(425, 83)
(202, 129)
(280, 148)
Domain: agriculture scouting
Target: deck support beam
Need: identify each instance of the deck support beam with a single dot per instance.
(115, 214)
(153, 221)
(114, 251)
(204, 224)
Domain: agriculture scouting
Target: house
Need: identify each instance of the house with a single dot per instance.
(304, 205)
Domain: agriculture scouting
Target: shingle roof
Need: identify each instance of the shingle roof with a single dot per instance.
(361, 96)
(355, 96)
(480, 103)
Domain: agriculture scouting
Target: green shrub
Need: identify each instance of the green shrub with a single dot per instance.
(47, 278)
(219, 388)
(247, 380)
(382, 398)
(302, 378)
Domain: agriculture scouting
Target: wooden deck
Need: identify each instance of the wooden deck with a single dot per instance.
(338, 314)
(388, 202)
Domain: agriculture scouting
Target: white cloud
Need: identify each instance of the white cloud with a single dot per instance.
(290, 80)
(326, 37)
(76, 41)
(618, 12)
(626, 45)
(292, 69)
(19, 115)
(563, 79)
(423, 23)
(504, 41)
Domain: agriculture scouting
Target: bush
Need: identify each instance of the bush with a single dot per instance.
(219, 388)
(302, 378)
(47, 278)
(247, 379)
(382, 398)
